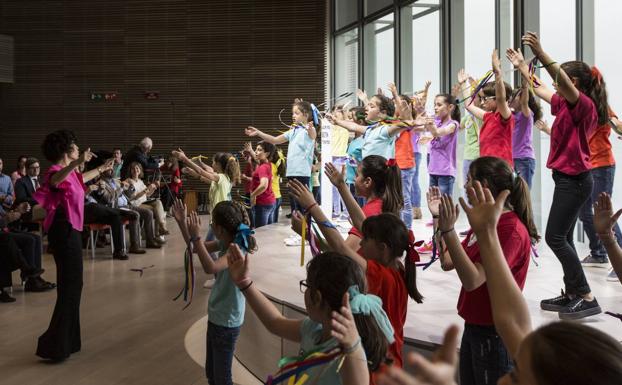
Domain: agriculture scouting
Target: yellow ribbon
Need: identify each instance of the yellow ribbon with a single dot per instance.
(302, 243)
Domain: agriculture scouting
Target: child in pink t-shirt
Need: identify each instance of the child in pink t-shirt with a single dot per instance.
(579, 105)
(495, 136)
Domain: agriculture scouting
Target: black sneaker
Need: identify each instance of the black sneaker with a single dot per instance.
(555, 304)
(580, 308)
(5, 297)
(595, 261)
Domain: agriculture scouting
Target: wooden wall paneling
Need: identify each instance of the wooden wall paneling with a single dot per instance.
(219, 66)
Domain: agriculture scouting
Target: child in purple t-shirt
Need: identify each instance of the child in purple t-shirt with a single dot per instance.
(526, 110)
(442, 149)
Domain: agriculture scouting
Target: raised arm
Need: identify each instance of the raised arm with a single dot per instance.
(347, 124)
(204, 174)
(471, 107)
(252, 131)
(524, 99)
(502, 103)
(357, 216)
(332, 235)
(62, 174)
(193, 223)
(96, 172)
(518, 61)
(564, 85)
(604, 220)
(265, 310)
(471, 274)
(509, 308)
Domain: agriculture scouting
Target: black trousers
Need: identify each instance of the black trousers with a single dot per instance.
(571, 193)
(98, 213)
(63, 335)
(11, 259)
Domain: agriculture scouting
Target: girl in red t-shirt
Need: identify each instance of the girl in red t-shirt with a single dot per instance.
(495, 136)
(378, 181)
(385, 240)
(482, 352)
(579, 106)
(262, 197)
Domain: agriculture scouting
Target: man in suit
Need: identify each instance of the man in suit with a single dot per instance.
(26, 186)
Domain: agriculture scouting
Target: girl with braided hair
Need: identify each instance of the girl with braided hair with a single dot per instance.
(230, 224)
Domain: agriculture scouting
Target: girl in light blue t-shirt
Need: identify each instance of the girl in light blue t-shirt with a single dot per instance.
(226, 305)
(341, 319)
(380, 134)
(301, 137)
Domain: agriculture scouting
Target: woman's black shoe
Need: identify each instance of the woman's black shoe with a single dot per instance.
(5, 297)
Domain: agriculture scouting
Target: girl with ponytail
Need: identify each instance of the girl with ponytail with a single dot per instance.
(579, 106)
(379, 182)
(231, 225)
(516, 231)
(386, 240)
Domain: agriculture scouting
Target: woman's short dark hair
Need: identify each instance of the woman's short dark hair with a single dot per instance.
(56, 144)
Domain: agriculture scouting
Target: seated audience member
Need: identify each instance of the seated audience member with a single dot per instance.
(29, 247)
(117, 156)
(28, 184)
(169, 191)
(112, 194)
(96, 213)
(140, 194)
(6, 191)
(140, 154)
(21, 169)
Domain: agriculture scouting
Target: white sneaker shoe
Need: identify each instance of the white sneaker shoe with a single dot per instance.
(612, 276)
(209, 283)
(294, 240)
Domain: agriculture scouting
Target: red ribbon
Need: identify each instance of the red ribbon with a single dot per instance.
(597, 75)
(391, 162)
(411, 252)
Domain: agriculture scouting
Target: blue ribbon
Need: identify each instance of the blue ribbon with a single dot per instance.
(241, 236)
(370, 304)
(316, 114)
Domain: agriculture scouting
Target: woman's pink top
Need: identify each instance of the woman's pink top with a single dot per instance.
(69, 194)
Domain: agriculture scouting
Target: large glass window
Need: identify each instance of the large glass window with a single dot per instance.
(372, 6)
(346, 64)
(378, 51)
(346, 12)
(421, 47)
(606, 28)
(479, 36)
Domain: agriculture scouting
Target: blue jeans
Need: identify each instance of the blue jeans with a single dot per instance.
(262, 214)
(603, 182)
(483, 356)
(525, 168)
(277, 209)
(415, 198)
(219, 353)
(407, 211)
(444, 182)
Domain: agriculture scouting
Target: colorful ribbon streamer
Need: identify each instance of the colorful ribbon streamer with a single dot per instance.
(188, 289)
